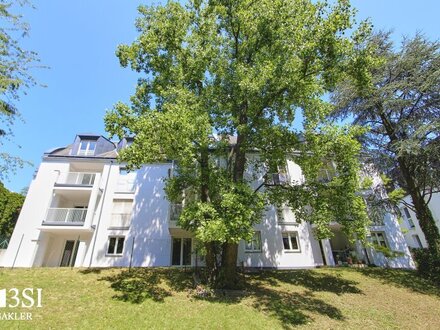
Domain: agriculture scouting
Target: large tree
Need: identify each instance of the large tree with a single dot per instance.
(222, 82)
(10, 207)
(401, 107)
(15, 77)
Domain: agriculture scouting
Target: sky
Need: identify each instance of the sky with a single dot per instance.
(77, 40)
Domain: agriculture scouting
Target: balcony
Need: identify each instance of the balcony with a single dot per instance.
(76, 179)
(120, 220)
(65, 216)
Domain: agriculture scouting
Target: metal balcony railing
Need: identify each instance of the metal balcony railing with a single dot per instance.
(65, 216)
(77, 178)
(120, 220)
(125, 186)
(175, 210)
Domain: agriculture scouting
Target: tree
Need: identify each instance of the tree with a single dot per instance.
(224, 79)
(10, 207)
(401, 107)
(15, 78)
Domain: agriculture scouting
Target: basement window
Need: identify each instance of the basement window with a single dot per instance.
(115, 245)
(291, 242)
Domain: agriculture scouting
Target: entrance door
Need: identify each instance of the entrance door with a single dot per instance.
(69, 254)
(181, 248)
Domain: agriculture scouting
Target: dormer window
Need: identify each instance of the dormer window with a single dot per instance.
(87, 148)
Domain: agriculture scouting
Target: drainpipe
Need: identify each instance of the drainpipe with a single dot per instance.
(100, 213)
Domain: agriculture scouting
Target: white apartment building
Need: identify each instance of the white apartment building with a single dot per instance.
(83, 209)
(410, 225)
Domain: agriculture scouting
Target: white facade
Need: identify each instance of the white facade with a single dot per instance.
(83, 209)
(410, 225)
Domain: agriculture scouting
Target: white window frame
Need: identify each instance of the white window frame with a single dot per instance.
(87, 151)
(375, 238)
(290, 235)
(117, 243)
(408, 217)
(254, 245)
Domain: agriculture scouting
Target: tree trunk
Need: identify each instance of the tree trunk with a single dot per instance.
(229, 266)
(423, 213)
(211, 265)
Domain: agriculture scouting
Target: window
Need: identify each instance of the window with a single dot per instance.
(121, 214)
(254, 245)
(181, 251)
(408, 217)
(379, 238)
(87, 148)
(115, 245)
(417, 241)
(290, 241)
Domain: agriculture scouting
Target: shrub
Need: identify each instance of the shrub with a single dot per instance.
(428, 265)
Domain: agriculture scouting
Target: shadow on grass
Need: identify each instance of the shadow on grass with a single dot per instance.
(310, 279)
(138, 284)
(402, 278)
(91, 271)
(271, 292)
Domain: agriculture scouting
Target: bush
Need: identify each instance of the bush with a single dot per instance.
(428, 265)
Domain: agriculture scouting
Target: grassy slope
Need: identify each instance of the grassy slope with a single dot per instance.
(145, 298)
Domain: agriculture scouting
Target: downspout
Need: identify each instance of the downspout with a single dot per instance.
(100, 213)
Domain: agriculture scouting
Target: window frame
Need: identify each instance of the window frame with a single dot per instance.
(249, 246)
(290, 235)
(181, 251)
(408, 217)
(115, 248)
(87, 151)
(375, 240)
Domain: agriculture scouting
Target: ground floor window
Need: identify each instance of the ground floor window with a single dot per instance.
(115, 245)
(417, 241)
(181, 251)
(379, 238)
(254, 245)
(290, 241)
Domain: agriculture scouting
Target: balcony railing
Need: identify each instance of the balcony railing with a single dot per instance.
(125, 186)
(77, 178)
(65, 216)
(175, 210)
(120, 220)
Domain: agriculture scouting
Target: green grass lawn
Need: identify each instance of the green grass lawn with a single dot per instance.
(164, 298)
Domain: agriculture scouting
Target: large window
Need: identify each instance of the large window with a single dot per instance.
(115, 245)
(121, 215)
(379, 238)
(181, 251)
(87, 148)
(254, 245)
(290, 241)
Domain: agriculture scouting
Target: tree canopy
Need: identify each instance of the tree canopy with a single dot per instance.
(222, 82)
(401, 107)
(10, 207)
(15, 76)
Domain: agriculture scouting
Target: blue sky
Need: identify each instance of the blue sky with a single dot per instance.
(78, 39)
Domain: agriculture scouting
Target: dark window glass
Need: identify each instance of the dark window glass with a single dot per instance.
(186, 251)
(286, 242)
(111, 245)
(120, 246)
(176, 252)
